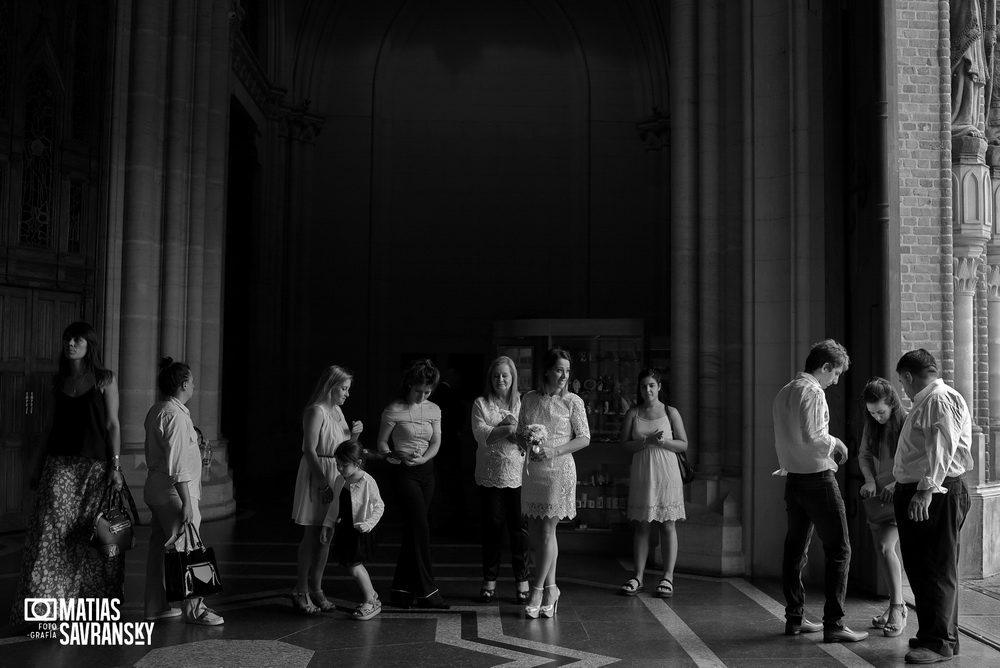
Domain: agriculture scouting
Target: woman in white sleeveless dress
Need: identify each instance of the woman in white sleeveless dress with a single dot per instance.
(324, 427)
(654, 433)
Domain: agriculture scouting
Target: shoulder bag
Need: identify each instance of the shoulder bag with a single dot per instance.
(687, 471)
(113, 532)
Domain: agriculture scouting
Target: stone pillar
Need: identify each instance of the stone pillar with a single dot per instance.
(141, 250)
(174, 228)
(709, 291)
(972, 222)
(684, 307)
(993, 310)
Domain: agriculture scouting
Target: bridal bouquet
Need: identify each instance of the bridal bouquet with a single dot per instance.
(534, 435)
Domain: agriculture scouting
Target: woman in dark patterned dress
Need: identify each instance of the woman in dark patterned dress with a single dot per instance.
(79, 461)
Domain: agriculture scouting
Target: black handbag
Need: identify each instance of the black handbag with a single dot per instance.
(879, 511)
(193, 571)
(687, 471)
(113, 532)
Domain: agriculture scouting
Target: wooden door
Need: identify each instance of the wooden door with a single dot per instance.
(30, 340)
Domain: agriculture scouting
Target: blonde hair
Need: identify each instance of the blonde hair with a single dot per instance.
(513, 398)
(332, 377)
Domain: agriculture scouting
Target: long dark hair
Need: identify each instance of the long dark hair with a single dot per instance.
(92, 361)
(874, 434)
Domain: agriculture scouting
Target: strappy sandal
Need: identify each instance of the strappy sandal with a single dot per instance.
(302, 605)
(321, 601)
(892, 629)
(487, 594)
(368, 609)
(631, 587)
(665, 589)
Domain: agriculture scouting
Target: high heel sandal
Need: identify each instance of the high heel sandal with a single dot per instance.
(549, 611)
(890, 629)
(531, 611)
(302, 605)
(321, 601)
(879, 622)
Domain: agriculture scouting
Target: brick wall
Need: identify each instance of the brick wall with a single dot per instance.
(924, 90)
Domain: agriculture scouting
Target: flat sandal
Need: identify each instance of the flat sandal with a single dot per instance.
(630, 589)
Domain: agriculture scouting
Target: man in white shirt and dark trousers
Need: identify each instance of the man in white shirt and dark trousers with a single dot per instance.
(808, 456)
(931, 500)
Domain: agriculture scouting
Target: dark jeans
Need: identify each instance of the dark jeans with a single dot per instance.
(413, 487)
(930, 556)
(814, 500)
(501, 506)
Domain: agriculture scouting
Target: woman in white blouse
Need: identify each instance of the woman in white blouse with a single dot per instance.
(173, 488)
(499, 463)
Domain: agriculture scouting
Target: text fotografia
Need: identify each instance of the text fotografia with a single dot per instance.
(84, 621)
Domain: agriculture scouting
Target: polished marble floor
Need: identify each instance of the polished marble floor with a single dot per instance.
(709, 622)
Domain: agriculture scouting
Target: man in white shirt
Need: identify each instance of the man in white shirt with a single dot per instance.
(808, 456)
(931, 501)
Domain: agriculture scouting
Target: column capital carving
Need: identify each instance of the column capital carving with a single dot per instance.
(993, 283)
(299, 124)
(966, 274)
(654, 130)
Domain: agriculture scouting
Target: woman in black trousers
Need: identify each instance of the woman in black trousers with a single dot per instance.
(499, 464)
(413, 425)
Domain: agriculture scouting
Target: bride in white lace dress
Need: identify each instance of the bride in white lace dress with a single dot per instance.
(548, 489)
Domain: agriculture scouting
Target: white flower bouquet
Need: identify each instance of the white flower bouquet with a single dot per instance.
(534, 436)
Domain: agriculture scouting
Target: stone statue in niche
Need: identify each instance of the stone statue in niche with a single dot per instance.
(992, 90)
(968, 68)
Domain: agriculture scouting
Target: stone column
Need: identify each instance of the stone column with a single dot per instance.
(972, 223)
(174, 228)
(141, 237)
(684, 307)
(709, 291)
(993, 311)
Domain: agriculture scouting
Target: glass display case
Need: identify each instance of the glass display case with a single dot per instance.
(607, 355)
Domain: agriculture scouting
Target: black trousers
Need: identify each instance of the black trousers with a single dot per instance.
(813, 500)
(930, 556)
(413, 487)
(501, 507)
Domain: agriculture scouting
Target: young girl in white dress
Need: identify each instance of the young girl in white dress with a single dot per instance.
(654, 433)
